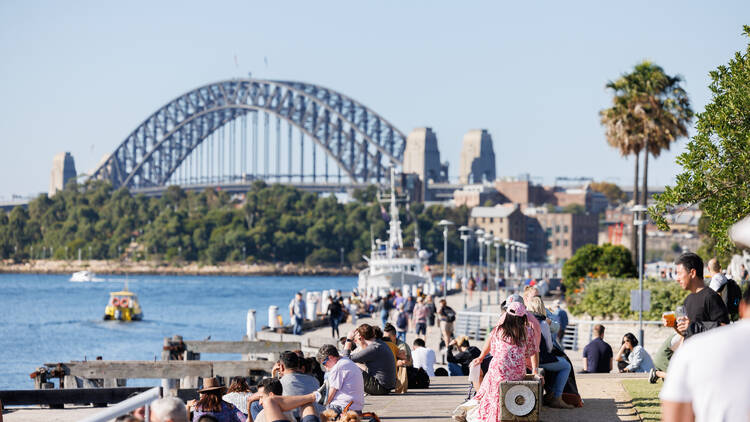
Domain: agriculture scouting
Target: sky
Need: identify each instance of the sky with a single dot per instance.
(79, 76)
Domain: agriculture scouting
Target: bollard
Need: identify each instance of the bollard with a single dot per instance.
(273, 312)
(250, 327)
(480, 304)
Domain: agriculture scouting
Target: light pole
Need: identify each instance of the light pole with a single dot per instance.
(465, 235)
(497, 268)
(640, 221)
(488, 241)
(480, 242)
(445, 224)
(506, 264)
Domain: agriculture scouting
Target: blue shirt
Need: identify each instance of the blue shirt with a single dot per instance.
(598, 355)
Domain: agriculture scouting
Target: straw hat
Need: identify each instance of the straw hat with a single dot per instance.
(211, 384)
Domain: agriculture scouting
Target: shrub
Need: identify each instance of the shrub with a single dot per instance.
(597, 261)
(608, 298)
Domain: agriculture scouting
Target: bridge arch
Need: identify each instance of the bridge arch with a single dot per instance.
(359, 141)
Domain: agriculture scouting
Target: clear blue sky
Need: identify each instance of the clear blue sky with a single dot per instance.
(79, 76)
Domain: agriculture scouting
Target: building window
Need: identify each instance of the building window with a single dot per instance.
(492, 220)
(557, 242)
(565, 242)
(565, 229)
(557, 229)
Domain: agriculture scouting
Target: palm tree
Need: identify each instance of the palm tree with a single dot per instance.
(650, 111)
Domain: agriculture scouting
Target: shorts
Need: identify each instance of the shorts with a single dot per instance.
(446, 328)
(421, 328)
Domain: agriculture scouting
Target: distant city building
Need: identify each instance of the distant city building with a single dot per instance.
(477, 163)
(523, 192)
(63, 169)
(476, 195)
(503, 221)
(559, 235)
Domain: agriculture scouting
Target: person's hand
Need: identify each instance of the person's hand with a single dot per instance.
(452, 343)
(276, 367)
(682, 325)
(254, 397)
(475, 362)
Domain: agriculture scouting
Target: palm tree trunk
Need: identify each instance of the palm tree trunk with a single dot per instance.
(645, 198)
(633, 238)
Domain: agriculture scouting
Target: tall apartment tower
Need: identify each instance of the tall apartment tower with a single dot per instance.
(477, 163)
(63, 169)
(422, 156)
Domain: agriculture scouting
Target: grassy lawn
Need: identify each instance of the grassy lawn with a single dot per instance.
(645, 398)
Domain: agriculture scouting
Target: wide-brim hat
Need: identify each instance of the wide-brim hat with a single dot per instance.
(210, 385)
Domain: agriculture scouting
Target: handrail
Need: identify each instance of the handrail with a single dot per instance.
(126, 406)
(572, 321)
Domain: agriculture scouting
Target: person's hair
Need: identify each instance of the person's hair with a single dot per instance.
(691, 261)
(535, 305)
(169, 408)
(208, 418)
(366, 331)
(713, 265)
(238, 385)
(128, 418)
(378, 332)
(209, 401)
(599, 329)
(631, 339)
(443, 302)
(271, 385)
(464, 342)
(389, 328)
(419, 342)
(514, 329)
(290, 360)
(327, 350)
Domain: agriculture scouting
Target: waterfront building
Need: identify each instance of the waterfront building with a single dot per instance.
(503, 221)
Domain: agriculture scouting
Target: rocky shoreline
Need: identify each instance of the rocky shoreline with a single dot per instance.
(163, 268)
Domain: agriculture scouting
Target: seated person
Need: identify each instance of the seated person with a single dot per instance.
(637, 360)
(597, 355)
(266, 386)
(423, 357)
(167, 409)
(278, 408)
(663, 356)
(378, 359)
(458, 363)
(345, 384)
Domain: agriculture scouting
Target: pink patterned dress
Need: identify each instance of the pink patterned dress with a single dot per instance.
(508, 364)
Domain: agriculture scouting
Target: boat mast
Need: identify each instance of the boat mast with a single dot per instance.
(394, 235)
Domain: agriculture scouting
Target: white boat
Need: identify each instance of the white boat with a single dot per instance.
(390, 265)
(83, 276)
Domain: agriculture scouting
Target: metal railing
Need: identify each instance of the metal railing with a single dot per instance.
(126, 406)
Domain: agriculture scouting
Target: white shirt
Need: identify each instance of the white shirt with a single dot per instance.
(424, 358)
(708, 370)
(717, 281)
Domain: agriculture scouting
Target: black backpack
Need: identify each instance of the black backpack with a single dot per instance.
(418, 377)
(450, 314)
(401, 321)
(731, 294)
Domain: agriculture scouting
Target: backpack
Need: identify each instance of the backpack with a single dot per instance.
(387, 303)
(731, 294)
(450, 314)
(401, 321)
(418, 377)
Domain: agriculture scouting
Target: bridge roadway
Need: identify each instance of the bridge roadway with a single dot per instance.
(243, 187)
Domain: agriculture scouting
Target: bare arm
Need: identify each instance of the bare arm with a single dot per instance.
(586, 364)
(331, 394)
(672, 411)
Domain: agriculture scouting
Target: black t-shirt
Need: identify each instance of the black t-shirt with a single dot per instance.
(463, 359)
(334, 308)
(597, 354)
(705, 310)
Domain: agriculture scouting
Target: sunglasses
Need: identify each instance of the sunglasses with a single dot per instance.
(324, 361)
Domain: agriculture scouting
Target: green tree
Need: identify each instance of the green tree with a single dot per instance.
(715, 165)
(614, 194)
(597, 261)
(650, 110)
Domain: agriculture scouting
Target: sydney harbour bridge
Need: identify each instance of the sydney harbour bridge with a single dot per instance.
(234, 132)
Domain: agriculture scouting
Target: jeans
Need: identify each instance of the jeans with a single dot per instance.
(455, 369)
(562, 371)
(401, 335)
(255, 408)
(335, 326)
(297, 325)
(383, 318)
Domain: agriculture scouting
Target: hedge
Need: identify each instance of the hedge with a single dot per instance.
(610, 298)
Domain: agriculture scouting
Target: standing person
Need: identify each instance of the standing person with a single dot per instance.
(718, 280)
(431, 310)
(345, 382)
(704, 308)
(409, 308)
(297, 311)
(210, 403)
(561, 316)
(510, 343)
(638, 359)
(485, 283)
(423, 357)
(597, 355)
(402, 324)
(706, 379)
(472, 286)
(334, 316)
(385, 309)
(380, 377)
(447, 316)
(420, 318)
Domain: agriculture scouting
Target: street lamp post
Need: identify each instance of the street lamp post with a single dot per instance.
(497, 267)
(640, 221)
(480, 241)
(465, 235)
(506, 264)
(445, 224)
(488, 241)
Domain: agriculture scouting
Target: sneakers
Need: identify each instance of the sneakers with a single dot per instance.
(652, 378)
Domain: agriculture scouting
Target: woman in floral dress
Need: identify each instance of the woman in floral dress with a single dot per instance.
(510, 343)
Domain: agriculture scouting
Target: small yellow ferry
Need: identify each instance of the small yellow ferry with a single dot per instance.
(123, 306)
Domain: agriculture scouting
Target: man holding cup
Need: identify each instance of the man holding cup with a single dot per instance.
(703, 307)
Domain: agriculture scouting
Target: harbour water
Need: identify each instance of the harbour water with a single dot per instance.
(46, 318)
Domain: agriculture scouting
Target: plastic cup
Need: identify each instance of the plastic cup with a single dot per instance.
(669, 318)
